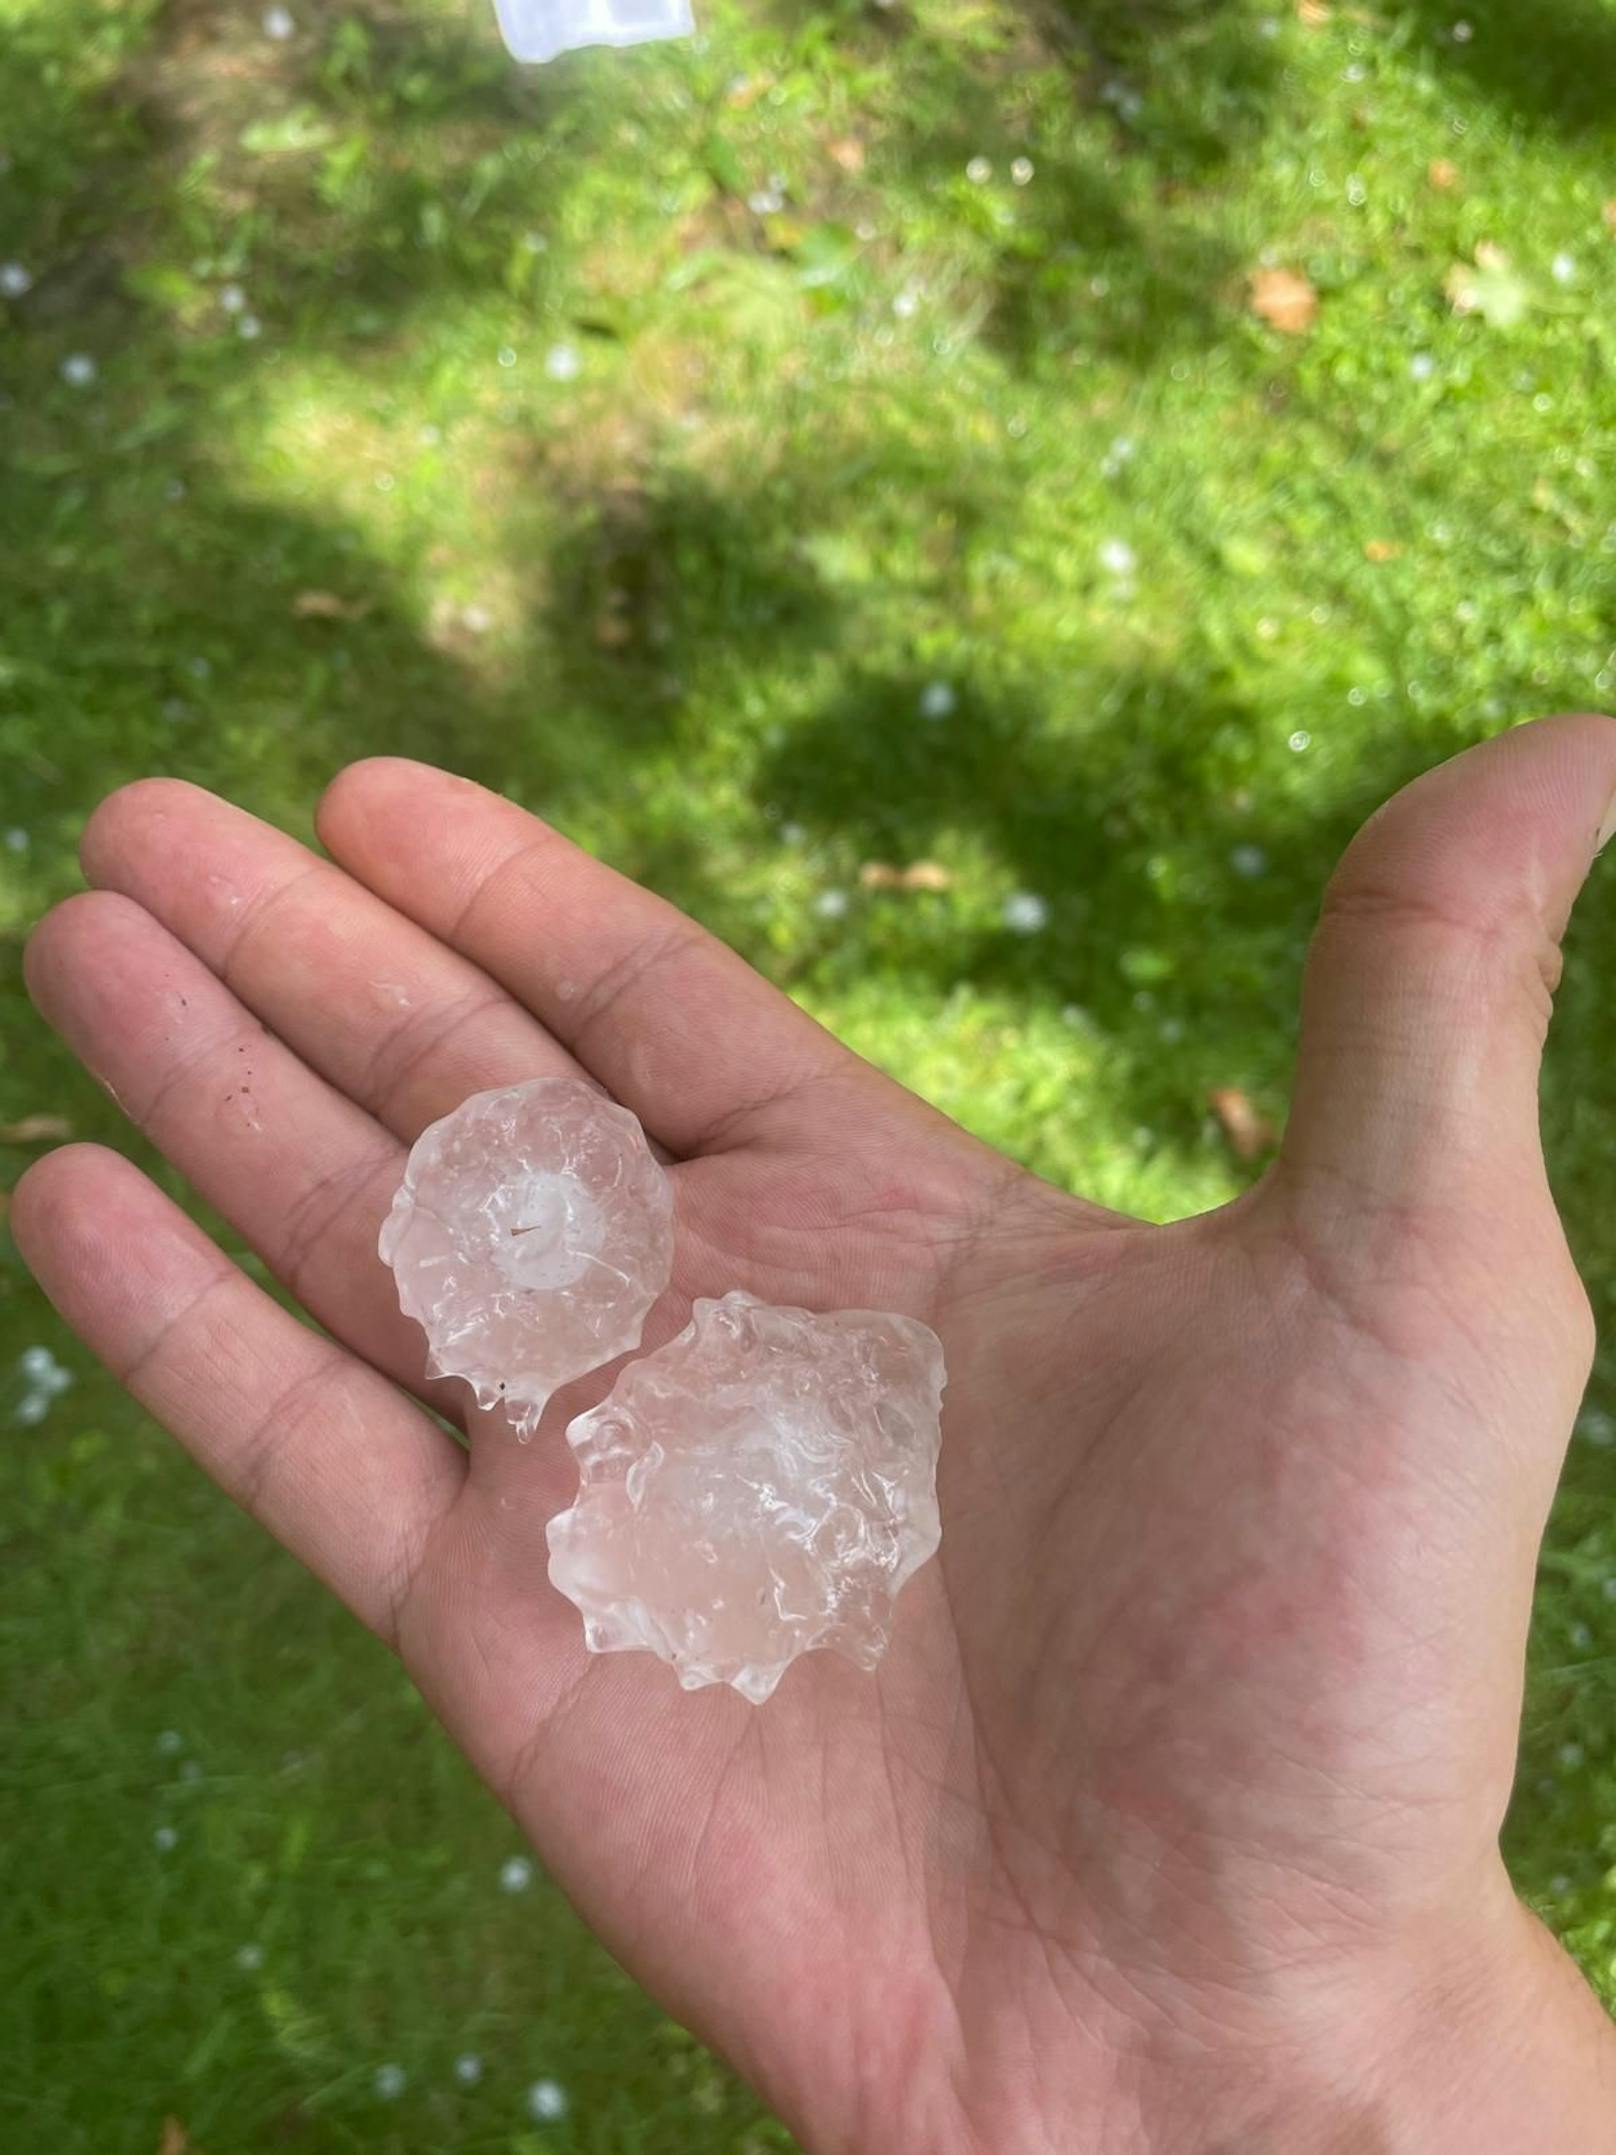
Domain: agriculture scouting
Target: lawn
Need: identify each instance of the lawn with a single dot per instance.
(851, 439)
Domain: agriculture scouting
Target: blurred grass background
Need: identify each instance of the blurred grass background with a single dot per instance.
(851, 439)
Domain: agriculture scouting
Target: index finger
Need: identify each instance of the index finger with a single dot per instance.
(671, 1021)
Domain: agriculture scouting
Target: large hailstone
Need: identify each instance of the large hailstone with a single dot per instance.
(762, 1485)
(530, 1236)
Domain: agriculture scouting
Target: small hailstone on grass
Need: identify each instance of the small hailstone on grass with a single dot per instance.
(1422, 366)
(831, 904)
(937, 699)
(505, 356)
(1025, 912)
(390, 2081)
(1570, 1756)
(547, 2099)
(1581, 1637)
(249, 1958)
(1563, 269)
(1597, 1427)
(1462, 33)
(79, 370)
(164, 1839)
(792, 834)
(1021, 171)
(16, 839)
(516, 1875)
(169, 1742)
(232, 298)
(562, 364)
(979, 171)
(278, 24)
(468, 2069)
(14, 280)
(904, 304)
(1118, 556)
(249, 326)
(1249, 861)
(1299, 742)
(766, 202)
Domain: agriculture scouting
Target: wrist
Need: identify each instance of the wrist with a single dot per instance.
(1479, 2036)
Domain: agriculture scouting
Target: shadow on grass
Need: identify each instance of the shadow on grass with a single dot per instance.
(1553, 66)
(1178, 907)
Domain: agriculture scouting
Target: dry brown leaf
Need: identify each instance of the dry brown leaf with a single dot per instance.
(35, 1130)
(846, 151)
(1443, 174)
(326, 606)
(1382, 549)
(1312, 13)
(922, 875)
(1248, 1130)
(927, 875)
(174, 2139)
(1285, 300)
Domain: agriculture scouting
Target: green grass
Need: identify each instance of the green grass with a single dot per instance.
(662, 509)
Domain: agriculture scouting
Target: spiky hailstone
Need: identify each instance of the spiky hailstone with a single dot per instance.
(530, 1237)
(763, 1485)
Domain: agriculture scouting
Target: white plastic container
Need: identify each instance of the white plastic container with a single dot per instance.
(540, 29)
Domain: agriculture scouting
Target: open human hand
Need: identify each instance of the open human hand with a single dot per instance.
(1170, 1821)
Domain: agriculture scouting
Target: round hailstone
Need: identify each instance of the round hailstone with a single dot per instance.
(762, 1485)
(468, 2069)
(1025, 912)
(530, 1236)
(547, 2100)
(15, 281)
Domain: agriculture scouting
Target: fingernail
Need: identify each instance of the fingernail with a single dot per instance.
(1606, 828)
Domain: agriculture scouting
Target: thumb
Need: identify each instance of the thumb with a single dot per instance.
(1430, 980)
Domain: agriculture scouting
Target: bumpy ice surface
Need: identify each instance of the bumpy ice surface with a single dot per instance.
(530, 1236)
(763, 1484)
(541, 29)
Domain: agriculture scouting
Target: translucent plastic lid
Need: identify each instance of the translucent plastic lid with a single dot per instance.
(540, 29)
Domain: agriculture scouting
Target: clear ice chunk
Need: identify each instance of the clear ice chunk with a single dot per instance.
(530, 1236)
(542, 29)
(762, 1485)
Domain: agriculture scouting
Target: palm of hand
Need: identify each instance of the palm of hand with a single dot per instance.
(1210, 1695)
